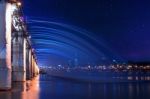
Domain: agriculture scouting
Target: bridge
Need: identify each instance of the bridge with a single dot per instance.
(17, 57)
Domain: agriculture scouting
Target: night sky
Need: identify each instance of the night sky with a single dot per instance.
(91, 30)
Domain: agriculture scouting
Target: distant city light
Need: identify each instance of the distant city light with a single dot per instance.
(59, 66)
(114, 60)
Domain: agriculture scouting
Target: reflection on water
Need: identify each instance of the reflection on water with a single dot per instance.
(47, 87)
(137, 78)
(23, 90)
(57, 88)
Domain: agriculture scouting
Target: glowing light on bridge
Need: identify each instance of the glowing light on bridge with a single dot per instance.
(19, 3)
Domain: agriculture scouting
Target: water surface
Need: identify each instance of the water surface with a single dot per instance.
(47, 87)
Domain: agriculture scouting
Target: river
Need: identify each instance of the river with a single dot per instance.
(47, 87)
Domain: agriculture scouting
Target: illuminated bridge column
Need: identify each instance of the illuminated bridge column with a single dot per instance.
(19, 58)
(28, 69)
(32, 66)
(30, 62)
(5, 46)
(36, 70)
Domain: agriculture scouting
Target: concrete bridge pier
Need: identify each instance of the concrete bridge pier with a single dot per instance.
(19, 58)
(34, 66)
(27, 62)
(30, 64)
(5, 46)
(34, 69)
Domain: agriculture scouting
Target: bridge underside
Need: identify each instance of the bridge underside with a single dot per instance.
(17, 58)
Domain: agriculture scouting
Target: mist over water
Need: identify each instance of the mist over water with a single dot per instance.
(60, 43)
